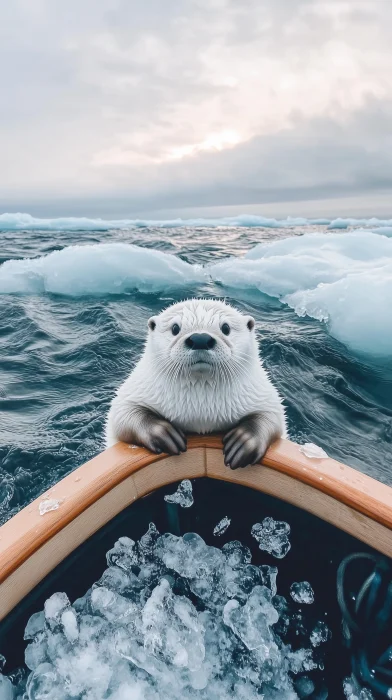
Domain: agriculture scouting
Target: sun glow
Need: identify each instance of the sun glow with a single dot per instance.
(213, 142)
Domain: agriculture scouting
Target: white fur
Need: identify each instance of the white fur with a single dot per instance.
(202, 399)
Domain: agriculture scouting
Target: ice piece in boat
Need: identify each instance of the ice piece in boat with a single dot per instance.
(183, 496)
(222, 526)
(48, 504)
(312, 451)
(273, 537)
(302, 592)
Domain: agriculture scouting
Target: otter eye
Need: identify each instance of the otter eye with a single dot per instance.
(225, 329)
(175, 329)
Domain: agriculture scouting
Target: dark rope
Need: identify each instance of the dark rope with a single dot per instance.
(367, 623)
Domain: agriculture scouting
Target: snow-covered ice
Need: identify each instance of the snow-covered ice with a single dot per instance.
(273, 537)
(171, 617)
(222, 526)
(312, 451)
(183, 496)
(341, 279)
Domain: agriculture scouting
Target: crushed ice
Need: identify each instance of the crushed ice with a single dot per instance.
(183, 496)
(273, 537)
(48, 504)
(222, 526)
(172, 617)
(309, 449)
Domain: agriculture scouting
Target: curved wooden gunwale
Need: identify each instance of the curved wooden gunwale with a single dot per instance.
(32, 545)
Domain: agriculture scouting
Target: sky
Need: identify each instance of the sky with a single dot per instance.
(118, 107)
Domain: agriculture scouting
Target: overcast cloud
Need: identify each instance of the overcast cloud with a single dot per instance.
(168, 104)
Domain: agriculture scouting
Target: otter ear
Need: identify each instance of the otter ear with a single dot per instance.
(250, 323)
(152, 323)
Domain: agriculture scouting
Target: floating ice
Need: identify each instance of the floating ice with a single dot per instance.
(26, 222)
(353, 691)
(222, 526)
(302, 592)
(309, 449)
(47, 505)
(273, 537)
(171, 617)
(342, 279)
(101, 269)
(183, 496)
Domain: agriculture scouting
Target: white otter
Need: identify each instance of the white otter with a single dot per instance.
(200, 372)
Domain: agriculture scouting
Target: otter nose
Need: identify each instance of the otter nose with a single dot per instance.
(200, 341)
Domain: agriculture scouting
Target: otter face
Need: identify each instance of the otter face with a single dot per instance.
(202, 338)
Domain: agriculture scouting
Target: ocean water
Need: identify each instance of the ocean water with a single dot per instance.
(75, 296)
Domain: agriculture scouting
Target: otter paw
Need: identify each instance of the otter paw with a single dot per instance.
(164, 437)
(243, 446)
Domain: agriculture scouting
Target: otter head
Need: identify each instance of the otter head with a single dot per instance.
(202, 339)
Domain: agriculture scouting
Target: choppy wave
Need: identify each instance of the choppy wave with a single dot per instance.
(342, 279)
(26, 222)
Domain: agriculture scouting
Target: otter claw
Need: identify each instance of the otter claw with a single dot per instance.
(164, 437)
(242, 447)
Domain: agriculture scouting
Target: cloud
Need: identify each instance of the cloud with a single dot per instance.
(193, 101)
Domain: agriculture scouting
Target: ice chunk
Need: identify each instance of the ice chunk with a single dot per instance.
(353, 690)
(273, 537)
(237, 554)
(36, 653)
(2, 661)
(268, 577)
(252, 622)
(54, 607)
(6, 688)
(123, 554)
(111, 605)
(304, 686)
(98, 269)
(35, 625)
(302, 592)
(45, 684)
(313, 451)
(171, 628)
(70, 624)
(147, 543)
(48, 504)
(343, 280)
(320, 634)
(222, 526)
(183, 496)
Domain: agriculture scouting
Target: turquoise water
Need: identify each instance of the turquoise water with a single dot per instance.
(69, 336)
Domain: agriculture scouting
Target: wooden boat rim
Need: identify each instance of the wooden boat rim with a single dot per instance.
(27, 531)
